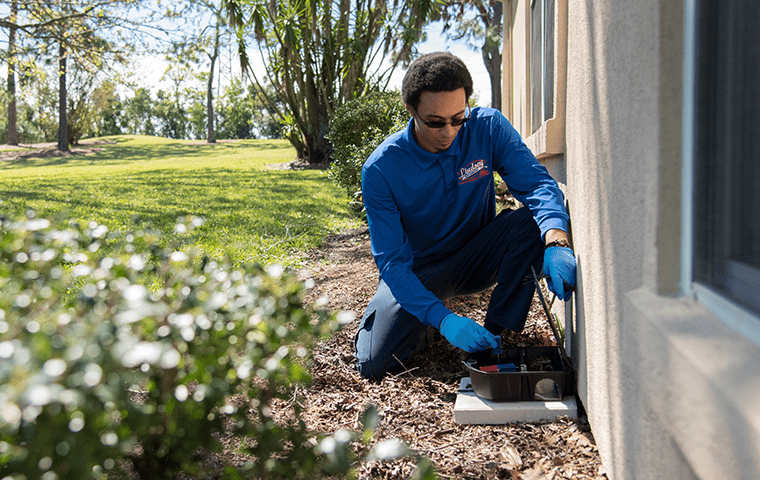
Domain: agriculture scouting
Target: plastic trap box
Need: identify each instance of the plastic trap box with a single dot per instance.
(519, 374)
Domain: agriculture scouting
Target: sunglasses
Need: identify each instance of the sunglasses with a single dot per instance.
(438, 124)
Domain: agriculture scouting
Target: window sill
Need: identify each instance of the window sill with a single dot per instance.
(548, 140)
(701, 377)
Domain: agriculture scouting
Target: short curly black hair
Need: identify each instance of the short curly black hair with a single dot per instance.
(435, 72)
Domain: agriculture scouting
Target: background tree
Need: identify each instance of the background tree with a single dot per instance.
(63, 126)
(213, 56)
(201, 46)
(107, 108)
(137, 114)
(73, 27)
(45, 93)
(197, 114)
(92, 33)
(265, 120)
(92, 105)
(236, 111)
(481, 31)
(322, 53)
(171, 115)
(12, 113)
(171, 107)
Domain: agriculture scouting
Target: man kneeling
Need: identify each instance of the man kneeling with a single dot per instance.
(430, 200)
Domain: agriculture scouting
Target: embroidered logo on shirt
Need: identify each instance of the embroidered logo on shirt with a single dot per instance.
(472, 171)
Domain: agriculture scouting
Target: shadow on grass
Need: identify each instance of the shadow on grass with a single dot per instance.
(123, 150)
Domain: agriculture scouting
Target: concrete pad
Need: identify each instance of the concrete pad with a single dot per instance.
(470, 409)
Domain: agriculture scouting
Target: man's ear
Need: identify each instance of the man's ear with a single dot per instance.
(409, 109)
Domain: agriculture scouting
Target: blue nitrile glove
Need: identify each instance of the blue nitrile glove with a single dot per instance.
(559, 264)
(466, 333)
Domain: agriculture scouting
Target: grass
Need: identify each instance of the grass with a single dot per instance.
(252, 213)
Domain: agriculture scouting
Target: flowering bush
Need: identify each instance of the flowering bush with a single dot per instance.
(139, 353)
(113, 348)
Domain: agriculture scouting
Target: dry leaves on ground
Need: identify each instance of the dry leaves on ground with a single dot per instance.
(417, 405)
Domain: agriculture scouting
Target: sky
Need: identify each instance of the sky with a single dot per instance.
(472, 58)
(150, 71)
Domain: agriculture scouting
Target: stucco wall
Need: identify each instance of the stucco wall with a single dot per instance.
(670, 390)
(612, 148)
(670, 381)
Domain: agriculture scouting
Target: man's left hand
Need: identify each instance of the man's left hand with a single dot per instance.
(559, 265)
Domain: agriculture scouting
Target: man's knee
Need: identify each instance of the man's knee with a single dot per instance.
(371, 369)
(368, 361)
(382, 350)
(372, 364)
(374, 361)
(378, 366)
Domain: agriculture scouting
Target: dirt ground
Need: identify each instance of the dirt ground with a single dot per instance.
(417, 405)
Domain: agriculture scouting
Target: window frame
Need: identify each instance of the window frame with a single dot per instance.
(542, 62)
(547, 139)
(741, 319)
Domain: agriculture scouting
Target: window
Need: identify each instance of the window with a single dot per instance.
(726, 201)
(535, 73)
(541, 62)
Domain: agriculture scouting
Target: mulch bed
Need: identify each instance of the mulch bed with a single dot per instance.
(417, 405)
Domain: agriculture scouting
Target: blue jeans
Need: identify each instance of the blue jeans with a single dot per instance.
(501, 254)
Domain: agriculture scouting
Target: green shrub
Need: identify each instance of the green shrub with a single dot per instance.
(96, 367)
(149, 355)
(357, 128)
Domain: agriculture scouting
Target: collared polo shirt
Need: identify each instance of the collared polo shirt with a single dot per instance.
(423, 206)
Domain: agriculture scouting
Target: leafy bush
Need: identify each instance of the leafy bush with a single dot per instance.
(149, 354)
(95, 366)
(357, 128)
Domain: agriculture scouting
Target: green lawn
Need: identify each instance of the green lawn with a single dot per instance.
(252, 213)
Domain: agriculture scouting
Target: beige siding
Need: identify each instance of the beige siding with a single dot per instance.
(671, 391)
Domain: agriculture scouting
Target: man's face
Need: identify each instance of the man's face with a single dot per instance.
(439, 107)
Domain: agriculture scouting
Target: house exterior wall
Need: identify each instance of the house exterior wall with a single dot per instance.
(671, 391)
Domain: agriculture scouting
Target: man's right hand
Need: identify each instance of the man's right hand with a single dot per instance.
(466, 333)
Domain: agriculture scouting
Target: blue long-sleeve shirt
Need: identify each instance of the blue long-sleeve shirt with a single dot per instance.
(423, 206)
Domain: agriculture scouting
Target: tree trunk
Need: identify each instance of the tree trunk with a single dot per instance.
(12, 118)
(316, 115)
(211, 131)
(318, 148)
(63, 128)
(492, 56)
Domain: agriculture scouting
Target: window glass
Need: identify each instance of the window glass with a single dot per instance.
(536, 64)
(541, 62)
(548, 59)
(727, 150)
